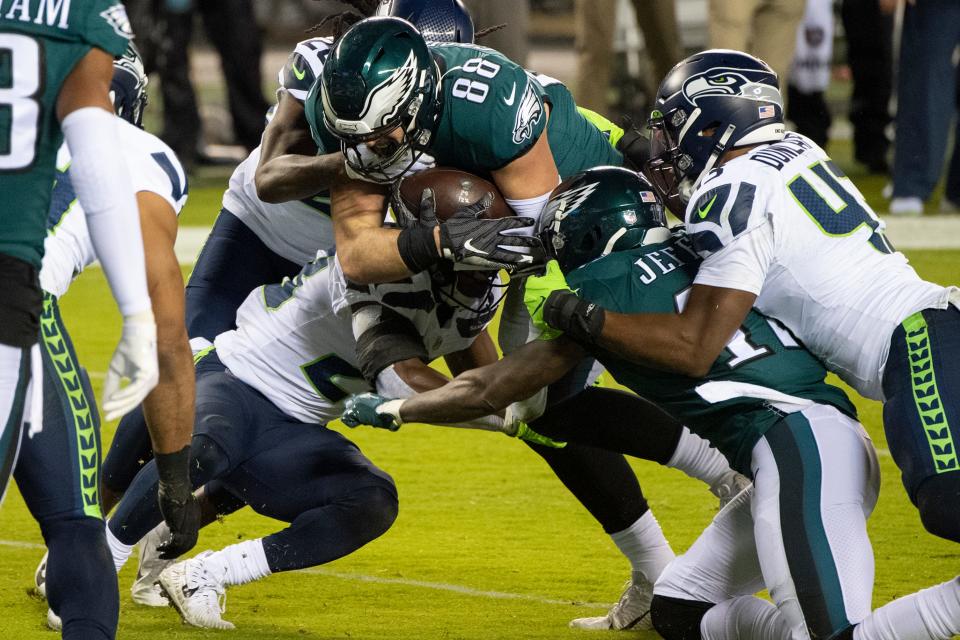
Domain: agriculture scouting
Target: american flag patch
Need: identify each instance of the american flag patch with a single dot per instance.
(647, 196)
(767, 111)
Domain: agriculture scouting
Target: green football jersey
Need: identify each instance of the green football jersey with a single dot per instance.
(40, 43)
(493, 112)
(656, 279)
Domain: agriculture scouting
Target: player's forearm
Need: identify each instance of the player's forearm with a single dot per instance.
(491, 389)
(294, 177)
(104, 189)
(372, 255)
(662, 341)
(169, 409)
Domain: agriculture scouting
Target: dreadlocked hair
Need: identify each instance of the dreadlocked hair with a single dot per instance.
(483, 33)
(336, 24)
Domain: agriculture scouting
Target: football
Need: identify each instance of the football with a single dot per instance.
(452, 189)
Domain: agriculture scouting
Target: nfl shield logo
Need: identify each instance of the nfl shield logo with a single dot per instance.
(767, 111)
(647, 196)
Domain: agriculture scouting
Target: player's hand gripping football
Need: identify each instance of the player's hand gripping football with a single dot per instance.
(473, 242)
(134, 359)
(373, 410)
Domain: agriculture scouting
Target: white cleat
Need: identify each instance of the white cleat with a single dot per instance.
(40, 577)
(631, 612)
(196, 593)
(145, 591)
(53, 621)
(729, 487)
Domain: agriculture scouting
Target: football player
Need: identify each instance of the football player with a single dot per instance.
(781, 227)
(396, 102)
(70, 427)
(263, 395)
(801, 530)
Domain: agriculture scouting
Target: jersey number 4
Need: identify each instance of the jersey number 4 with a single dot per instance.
(841, 220)
(20, 110)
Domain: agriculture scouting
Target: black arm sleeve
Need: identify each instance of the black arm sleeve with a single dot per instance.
(384, 337)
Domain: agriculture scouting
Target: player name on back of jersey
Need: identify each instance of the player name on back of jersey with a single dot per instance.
(663, 261)
(779, 154)
(52, 13)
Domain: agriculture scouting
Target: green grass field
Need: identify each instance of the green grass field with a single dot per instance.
(488, 544)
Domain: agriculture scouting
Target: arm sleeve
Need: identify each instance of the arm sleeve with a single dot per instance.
(105, 191)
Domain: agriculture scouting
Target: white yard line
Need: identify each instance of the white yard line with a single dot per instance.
(435, 586)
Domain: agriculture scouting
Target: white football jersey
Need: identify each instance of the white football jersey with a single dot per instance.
(294, 341)
(68, 250)
(292, 346)
(295, 229)
(783, 222)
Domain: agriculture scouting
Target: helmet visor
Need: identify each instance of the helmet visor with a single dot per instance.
(667, 166)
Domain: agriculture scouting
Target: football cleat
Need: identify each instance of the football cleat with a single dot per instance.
(196, 593)
(632, 611)
(53, 621)
(145, 590)
(729, 487)
(40, 577)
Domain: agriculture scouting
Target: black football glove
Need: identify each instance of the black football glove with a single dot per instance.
(180, 508)
(473, 242)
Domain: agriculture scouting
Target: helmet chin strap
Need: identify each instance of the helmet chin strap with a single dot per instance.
(718, 150)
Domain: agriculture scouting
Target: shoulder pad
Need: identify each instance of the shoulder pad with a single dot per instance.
(729, 202)
(304, 66)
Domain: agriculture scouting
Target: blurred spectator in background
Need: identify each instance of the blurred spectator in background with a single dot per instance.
(512, 41)
(926, 104)
(594, 41)
(810, 72)
(232, 29)
(869, 33)
(764, 28)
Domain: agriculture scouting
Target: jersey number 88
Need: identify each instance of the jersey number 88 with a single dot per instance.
(475, 90)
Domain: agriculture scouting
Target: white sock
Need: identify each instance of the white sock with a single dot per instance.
(931, 614)
(118, 550)
(744, 618)
(696, 458)
(239, 563)
(645, 546)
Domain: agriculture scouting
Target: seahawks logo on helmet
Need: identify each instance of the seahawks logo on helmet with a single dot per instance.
(528, 115)
(729, 83)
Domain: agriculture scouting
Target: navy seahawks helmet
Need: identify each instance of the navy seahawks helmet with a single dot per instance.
(437, 20)
(379, 77)
(128, 88)
(599, 211)
(711, 102)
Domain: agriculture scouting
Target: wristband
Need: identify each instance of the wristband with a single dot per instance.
(417, 248)
(580, 320)
(174, 471)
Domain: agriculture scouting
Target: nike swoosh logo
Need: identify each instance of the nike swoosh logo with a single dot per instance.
(703, 213)
(300, 74)
(468, 245)
(513, 94)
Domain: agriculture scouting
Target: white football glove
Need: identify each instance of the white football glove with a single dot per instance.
(363, 156)
(134, 359)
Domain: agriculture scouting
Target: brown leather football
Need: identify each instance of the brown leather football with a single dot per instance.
(452, 189)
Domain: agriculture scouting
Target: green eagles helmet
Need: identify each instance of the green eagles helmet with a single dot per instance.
(380, 76)
(599, 211)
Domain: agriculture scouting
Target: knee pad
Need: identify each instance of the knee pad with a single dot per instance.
(380, 506)
(208, 459)
(937, 500)
(677, 619)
